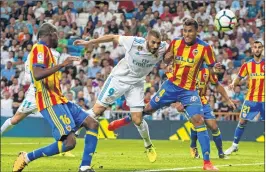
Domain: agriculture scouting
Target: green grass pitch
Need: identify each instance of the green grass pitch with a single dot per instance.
(128, 155)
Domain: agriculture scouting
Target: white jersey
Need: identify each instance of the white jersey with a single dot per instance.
(138, 61)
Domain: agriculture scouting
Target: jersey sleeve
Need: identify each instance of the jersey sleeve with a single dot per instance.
(209, 57)
(213, 79)
(40, 56)
(243, 71)
(126, 41)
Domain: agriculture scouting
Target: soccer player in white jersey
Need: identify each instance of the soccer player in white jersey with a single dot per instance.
(127, 77)
(28, 106)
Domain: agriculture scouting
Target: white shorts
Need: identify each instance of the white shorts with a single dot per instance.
(113, 89)
(28, 105)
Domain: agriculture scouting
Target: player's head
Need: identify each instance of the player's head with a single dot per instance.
(257, 49)
(190, 29)
(153, 41)
(48, 33)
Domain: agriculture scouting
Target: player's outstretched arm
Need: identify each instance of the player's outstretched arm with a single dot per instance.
(105, 38)
(40, 73)
(221, 90)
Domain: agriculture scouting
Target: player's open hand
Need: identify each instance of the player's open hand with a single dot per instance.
(70, 60)
(81, 42)
(179, 107)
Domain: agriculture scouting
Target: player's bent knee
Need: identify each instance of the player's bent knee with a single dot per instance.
(136, 118)
(90, 123)
(70, 141)
(197, 120)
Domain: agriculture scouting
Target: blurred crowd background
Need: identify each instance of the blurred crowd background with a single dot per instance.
(82, 82)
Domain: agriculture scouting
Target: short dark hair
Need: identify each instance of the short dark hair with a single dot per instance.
(154, 33)
(257, 42)
(191, 22)
(46, 29)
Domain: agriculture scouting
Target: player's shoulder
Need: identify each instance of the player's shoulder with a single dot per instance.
(176, 40)
(203, 43)
(138, 40)
(38, 47)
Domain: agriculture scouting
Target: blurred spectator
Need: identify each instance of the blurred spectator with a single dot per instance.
(17, 100)
(38, 9)
(88, 6)
(105, 15)
(94, 69)
(62, 42)
(6, 102)
(9, 72)
(157, 6)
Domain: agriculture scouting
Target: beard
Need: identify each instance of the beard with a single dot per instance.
(258, 55)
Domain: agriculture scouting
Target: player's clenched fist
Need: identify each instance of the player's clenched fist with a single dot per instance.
(168, 57)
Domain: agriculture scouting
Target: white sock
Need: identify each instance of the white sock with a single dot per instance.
(6, 126)
(235, 145)
(91, 113)
(83, 168)
(27, 158)
(78, 132)
(144, 133)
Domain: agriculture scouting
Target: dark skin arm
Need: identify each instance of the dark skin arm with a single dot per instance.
(41, 73)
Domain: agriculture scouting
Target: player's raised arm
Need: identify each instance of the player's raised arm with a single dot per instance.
(105, 38)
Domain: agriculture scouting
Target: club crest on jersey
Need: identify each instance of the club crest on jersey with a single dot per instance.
(195, 52)
(157, 98)
(262, 68)
(68, 127)
(40, 57)
(244, 115)
(140, 48)
(205, 76)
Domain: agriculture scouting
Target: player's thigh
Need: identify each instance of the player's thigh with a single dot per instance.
(167, 94)
(112, 89)
(135, 97)
(208, 112)
(60, 120)
(249, 110)
(80, 117)
(191, 102)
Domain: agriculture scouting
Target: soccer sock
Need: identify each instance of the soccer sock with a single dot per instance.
(91, 140)
(238, 133)
(144, 132)
(91, 113)
(204, 141)
(217, 138)
(52, 149)
(6, 126)
(193, 137)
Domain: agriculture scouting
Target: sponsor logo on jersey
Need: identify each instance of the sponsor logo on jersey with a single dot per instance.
(193, 98)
